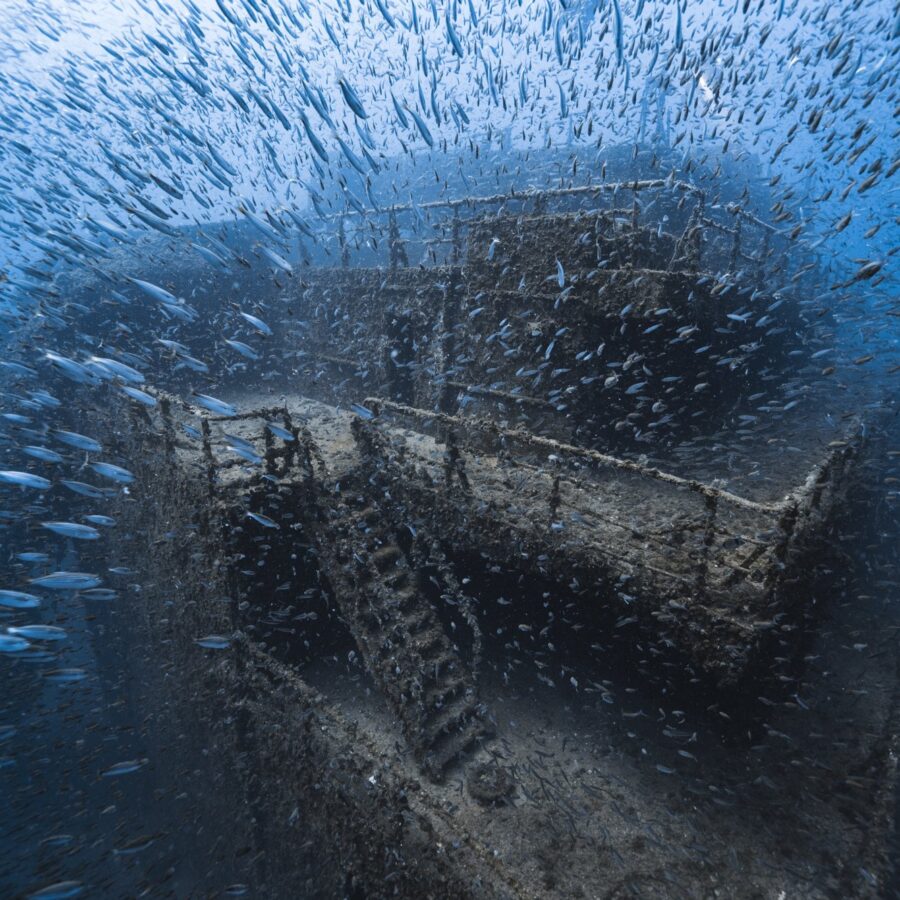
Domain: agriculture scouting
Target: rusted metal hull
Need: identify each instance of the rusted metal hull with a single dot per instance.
(323, 764)
(490, 634)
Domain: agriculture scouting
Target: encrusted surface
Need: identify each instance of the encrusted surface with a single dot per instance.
(595, 797)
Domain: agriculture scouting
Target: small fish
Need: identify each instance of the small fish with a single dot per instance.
(66, 581)
(135, 845)
(190, 362)
(86, 490)
(58, 840)
(43, 453)
(19, 369)
(61, 890)
(843, 223)
(72, 530)
(157, 293)
(620, 41)
(213, 642)
(139, 395)
(352, 99)
(257, 323)
(25, 479)
(239, 443)
(105, 521)
(9, 643)
(242, 348)
(868, 270)
(278, 261)
(118, 369)
(79, 441)
(210, 256)
(46, 399)
(18, 600)
(38, 632)
(214, 405)
(453, 37)
(423, 128)
(72, 370)
(250, 455)
(280, 432)
(265, 521)
(99, 594)
(362, 411)
(65, 676)
(124, 768)
(115, 473)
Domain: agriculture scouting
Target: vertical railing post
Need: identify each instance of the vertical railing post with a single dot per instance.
(696, 235)
(709, 536)
(393, 240)
(292, 448)
(736, 244)
(397, 250)
(555, 500)
(165, 408)
(269, 442)
(786, 524)
(208, 456)
(763, 256)
(342, 240)
(634, 228)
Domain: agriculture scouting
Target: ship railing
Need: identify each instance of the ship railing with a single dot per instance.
(785, 517)
(744, 228)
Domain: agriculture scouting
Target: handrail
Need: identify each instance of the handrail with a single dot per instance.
(779, 506)
(530, 194)
(540, 196)
(535, 194)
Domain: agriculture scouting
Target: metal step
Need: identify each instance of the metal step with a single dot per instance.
(438, 697)
(451, 747)
(451, 718)
(399, 635)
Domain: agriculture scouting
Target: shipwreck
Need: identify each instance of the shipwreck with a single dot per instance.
(477, 526)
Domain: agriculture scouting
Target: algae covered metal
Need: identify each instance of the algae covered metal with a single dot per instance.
(440, 492)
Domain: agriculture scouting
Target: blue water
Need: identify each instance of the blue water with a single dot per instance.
(167, 168)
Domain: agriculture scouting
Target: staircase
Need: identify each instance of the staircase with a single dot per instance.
(402, 642)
